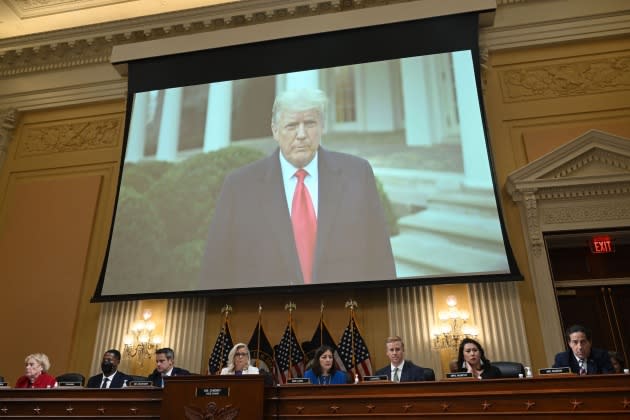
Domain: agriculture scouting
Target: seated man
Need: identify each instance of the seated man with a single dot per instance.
(111, 377)
(581, 357)
(401, 370)
(164, 366)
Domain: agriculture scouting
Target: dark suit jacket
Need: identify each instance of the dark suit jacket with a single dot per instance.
(117, 382)
(156, 377)
(410, 373)
(598, 362)
(489, 372)
(250, 242)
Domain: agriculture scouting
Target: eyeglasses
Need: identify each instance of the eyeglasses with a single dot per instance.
(240, 354)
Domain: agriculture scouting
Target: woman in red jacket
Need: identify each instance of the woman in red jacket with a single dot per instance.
(36, 366)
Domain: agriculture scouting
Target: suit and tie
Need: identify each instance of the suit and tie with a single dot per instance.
(251, 241)
(409, 373)
(157, 379)
(598, 362)
(117, 381)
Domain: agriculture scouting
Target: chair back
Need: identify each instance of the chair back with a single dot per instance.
(71, 377)
(510, 369)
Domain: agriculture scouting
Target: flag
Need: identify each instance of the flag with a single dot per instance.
(219, 357)
(289, 357)
(322, 337)
(354, 352)
(260, 349)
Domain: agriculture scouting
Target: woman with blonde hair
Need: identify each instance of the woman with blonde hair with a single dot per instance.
(238, 362)
(36, 366)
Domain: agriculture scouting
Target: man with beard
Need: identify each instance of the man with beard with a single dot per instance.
(111, 377)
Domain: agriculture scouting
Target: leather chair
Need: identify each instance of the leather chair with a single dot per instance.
(510, 369)
(1, 378)
(429, 374)
(71, 377)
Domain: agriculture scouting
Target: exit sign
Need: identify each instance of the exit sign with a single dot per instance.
(602, 245)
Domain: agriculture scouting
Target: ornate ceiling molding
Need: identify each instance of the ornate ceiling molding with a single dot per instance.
(32, 8)
(93, 44)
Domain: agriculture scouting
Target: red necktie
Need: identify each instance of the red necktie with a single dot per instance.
(304, 226)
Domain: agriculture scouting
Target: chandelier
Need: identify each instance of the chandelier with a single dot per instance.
(453, 327)
(141, 342)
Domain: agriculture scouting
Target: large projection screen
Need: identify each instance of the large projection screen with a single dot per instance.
(404, 193)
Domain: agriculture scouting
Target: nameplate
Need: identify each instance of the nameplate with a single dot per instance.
(139, 383)
(554, 371)
(213, 392)
(299, 381)
(457, 375)
(4, 384)
(375, 378)
(70, 384)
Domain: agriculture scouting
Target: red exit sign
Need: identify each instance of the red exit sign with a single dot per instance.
(602, 245)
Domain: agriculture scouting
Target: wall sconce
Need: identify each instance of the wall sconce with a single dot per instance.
(453, 328)
(141, 342)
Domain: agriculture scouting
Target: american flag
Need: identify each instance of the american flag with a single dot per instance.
(289, 350)
(260, 349)
(322, 337)
(223, 345)
(352, 343)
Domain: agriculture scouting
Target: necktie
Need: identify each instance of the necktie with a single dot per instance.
(104, 384)
(582, 367)
(304, 226)
(396, 378)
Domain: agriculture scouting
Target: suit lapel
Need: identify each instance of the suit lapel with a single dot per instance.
(276, 214)
(331, 184)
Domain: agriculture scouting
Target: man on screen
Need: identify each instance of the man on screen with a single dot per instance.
(302, 215)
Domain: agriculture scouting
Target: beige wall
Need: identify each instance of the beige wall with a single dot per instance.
(540, 98)
(57, 189)
(58, 183)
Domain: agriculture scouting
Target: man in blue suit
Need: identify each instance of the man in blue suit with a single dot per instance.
(165, 366)
(111, 376)
(581, 357)
(302, 215)
(399, 369)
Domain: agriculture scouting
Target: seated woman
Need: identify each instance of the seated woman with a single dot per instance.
(238, 362)
(323, 371)
(36, 366)
(472, 358)
(617, 362)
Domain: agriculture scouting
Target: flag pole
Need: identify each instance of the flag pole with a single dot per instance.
(352, 304)
(258, 335)
(321, 324)
(225, 311)
(290, 307)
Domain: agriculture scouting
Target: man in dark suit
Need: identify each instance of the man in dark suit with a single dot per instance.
(302, 215)
(581, 357)
(399, 369)
(111, 376)
(165, 366)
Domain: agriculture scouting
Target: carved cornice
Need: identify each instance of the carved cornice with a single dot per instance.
(72, 136)
(72, 47)
(608, 159)
(580, 214)
(562, 80)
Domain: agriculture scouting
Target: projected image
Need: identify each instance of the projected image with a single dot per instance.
(396, 181)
